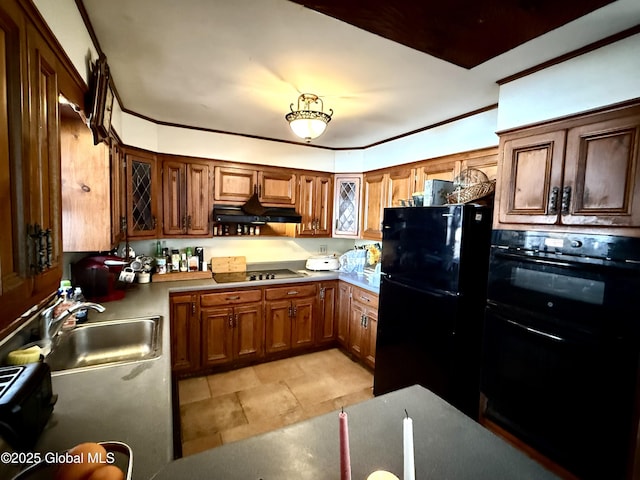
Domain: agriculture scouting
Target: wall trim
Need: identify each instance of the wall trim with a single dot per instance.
(573, 54)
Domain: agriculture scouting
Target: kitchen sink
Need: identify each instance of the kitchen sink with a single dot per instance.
(107, 343)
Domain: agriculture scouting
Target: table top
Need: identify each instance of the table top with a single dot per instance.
(448, 445)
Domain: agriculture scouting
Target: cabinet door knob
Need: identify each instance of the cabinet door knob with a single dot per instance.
(85, 188)
(230, 320)
(566, 199)
(193, 308)
(553, 200)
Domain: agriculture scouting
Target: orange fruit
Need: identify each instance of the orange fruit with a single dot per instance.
(81, 461)
(108, 472)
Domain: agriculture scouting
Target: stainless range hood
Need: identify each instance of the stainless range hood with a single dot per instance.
(254, 212)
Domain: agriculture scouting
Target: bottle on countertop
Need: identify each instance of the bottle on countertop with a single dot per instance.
(175, 260)
(65, 292)
(82, 314)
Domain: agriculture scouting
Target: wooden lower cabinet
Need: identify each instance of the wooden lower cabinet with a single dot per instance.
(290, 313)
(342, 314)
(363, 328)
(326, 324)
(185, 332)
(357, 322)
(229, 328)
(231, 333)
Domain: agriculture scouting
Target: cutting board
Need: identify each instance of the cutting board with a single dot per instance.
(228, 264)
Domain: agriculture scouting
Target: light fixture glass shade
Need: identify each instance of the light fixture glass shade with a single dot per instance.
(308, 128)
(306, 123)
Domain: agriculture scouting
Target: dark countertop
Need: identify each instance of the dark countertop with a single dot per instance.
(132, 402)
(448, 445)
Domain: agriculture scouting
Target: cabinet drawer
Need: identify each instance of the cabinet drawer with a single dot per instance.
(364, 297)
(230, 297)
(292, 291)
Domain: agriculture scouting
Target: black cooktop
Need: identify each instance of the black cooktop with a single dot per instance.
(256, 275)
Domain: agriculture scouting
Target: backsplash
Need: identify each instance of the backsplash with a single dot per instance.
(256, 250)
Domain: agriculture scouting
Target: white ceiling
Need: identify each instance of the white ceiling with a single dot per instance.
(236, 66)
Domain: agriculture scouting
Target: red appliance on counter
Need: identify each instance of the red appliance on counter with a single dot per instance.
(98, 277)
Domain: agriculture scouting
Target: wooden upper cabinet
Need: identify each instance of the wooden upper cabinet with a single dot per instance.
(401, 186)
(86, 189)
(277, 187)
(315, 204)
(186, 195)
(441, 169)
(16, 278)
(118, 194)
(234, 185)
(602, 173)
(486, 162)
(143, 194)
(185, 331)
(530, 178)
(45, 203)
(582, 171)
(346, 205)
(374, 195)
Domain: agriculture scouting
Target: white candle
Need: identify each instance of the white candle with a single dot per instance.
(409, 466)
(345, 457)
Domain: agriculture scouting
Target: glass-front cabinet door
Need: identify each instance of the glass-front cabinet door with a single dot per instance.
(347, 206)
(142, 194)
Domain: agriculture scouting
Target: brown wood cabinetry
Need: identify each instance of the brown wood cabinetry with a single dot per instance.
(234, 185)
(388, 187)
(384, 189)
(211, 329)
(347, 205)
(439, 169)
(401, 185)
(363, 325)
(343, 314)
(16, 280)
(326, 325)
(290, 317)
(229, 328)
(374, 199)
(185, 332)
(143, 194)
(231, 325)
(44, 163)
(118, 194)
(32, 75)
(583, 172)
(186, 197)
(315, 205)
(92, 189)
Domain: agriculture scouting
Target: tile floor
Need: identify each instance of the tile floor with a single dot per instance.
(230, 406)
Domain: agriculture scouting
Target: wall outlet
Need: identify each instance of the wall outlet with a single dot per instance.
(323, 249)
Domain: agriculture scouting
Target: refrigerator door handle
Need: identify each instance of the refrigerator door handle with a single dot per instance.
(428, 291)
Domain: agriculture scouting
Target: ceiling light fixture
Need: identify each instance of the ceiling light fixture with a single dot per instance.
(306, 123)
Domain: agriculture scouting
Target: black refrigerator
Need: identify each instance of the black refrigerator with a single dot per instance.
(432, 299)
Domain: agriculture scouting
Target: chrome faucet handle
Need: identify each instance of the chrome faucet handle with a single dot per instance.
(56, 323)
(47, 319)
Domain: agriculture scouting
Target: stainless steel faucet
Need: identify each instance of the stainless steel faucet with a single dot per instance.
(51, 325)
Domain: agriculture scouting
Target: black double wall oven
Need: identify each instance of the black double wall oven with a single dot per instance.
(560, 347)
